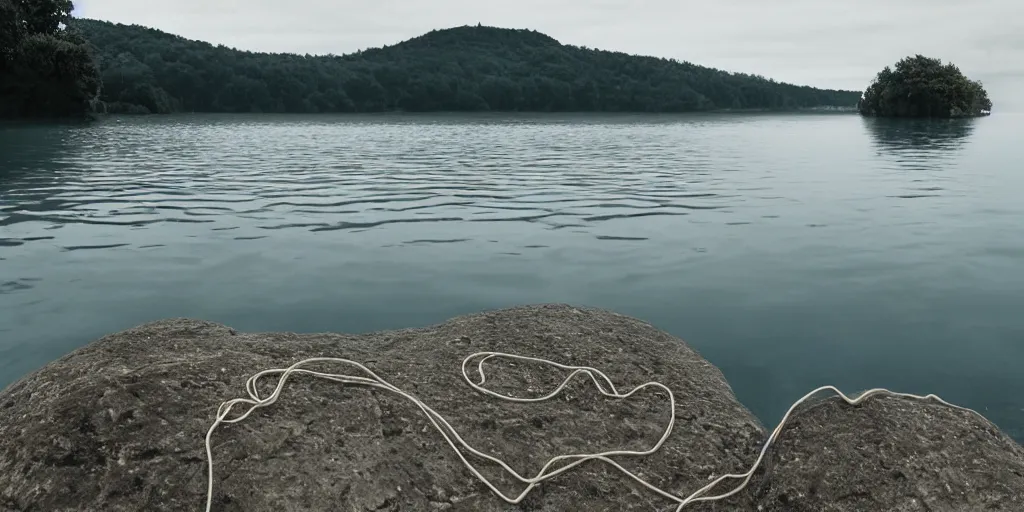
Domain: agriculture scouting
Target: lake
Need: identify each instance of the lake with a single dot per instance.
(792, 251)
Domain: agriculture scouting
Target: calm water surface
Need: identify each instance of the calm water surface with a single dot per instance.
(792, 251)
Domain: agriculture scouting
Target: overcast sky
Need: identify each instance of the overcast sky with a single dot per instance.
(825, 43)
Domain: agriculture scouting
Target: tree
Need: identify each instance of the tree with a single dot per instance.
(46, 70)
(12, 31)
(924, 87)
(45, 16)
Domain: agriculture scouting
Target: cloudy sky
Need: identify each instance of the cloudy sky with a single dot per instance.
(825, 43)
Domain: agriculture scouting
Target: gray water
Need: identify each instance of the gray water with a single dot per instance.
(791, 250)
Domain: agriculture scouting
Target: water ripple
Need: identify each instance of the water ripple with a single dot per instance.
(14, 286)
(621, 238)
(93, 247)
(412, 183)
(358, 225)
(614, 216)
(427, 241)
(166, 185)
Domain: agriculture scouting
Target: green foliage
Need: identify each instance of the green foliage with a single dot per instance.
(12, 31)
(44, 16)
(46, 70)
(460, 69)
(924, 87)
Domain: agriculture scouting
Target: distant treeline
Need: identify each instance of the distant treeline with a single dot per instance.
(460, 69)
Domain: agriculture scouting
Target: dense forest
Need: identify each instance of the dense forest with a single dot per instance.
(46, 70)
(924, 87)
(460, 69)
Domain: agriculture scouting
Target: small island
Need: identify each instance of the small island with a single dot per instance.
(924, 87)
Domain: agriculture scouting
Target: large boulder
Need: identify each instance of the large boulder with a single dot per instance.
(120, 424)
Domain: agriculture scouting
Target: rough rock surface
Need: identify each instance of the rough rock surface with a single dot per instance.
(119, 424)
(890, 453)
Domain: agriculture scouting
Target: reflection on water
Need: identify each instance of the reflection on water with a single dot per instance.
(791, 250)
(26, 150)
(919, 134)
(927, 147)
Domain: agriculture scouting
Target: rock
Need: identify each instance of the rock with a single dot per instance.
(119, 424)
(892, 454)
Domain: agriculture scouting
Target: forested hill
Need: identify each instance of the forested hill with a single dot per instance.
(458, 69)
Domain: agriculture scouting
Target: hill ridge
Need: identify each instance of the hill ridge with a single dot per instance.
(462, 68)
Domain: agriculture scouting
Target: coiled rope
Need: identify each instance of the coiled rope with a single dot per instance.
(552, 468)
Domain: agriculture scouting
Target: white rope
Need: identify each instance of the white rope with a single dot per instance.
(561, 463)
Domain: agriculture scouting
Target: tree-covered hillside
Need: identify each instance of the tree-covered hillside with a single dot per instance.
(459, 69)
